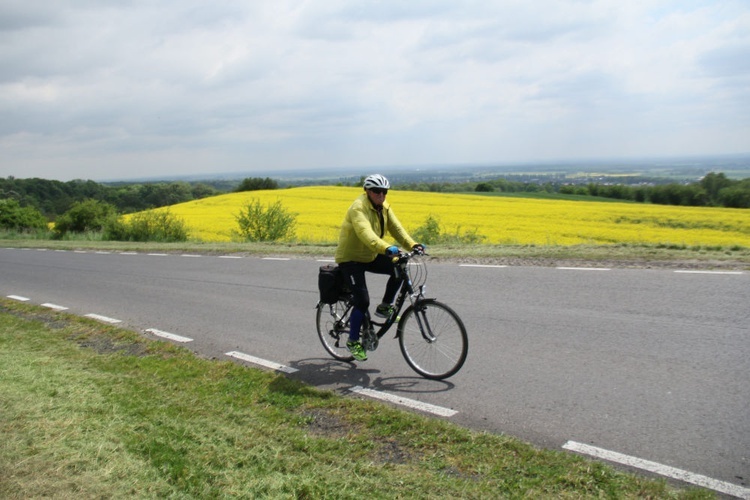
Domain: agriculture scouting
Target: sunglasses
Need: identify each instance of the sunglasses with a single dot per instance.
(379, 190)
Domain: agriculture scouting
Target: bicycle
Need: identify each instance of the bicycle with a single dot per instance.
(431, 335)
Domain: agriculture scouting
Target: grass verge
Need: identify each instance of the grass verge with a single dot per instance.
(90, 410)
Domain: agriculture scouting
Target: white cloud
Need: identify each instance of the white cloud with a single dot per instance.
(108, 90)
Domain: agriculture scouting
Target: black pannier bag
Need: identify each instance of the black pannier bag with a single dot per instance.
(329, 284)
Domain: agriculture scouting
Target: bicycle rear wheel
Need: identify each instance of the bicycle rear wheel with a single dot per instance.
(332, 321)
(433, 339)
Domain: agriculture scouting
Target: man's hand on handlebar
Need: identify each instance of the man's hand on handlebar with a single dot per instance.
(417, 249)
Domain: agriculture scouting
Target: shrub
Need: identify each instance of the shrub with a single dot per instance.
(85, 216)
(256, 184)
(159, 226)
(15, 217)
(431, 233)
(270, 223)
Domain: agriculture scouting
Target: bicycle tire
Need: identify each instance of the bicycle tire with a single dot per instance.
(442, 351)
(332, 321)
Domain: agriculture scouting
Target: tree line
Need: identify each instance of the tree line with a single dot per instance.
(53, 198)
(714, 190)
(87, 206)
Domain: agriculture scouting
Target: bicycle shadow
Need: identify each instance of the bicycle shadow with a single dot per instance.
(322, 372)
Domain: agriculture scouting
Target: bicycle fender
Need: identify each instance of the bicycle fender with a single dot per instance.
(418, 303)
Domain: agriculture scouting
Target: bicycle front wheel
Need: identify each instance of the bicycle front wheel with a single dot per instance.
(332, 321)
(433, 339)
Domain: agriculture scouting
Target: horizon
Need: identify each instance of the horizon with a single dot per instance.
(517, 168)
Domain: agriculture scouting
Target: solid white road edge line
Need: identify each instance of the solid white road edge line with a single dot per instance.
(167, 335)
(662, 470)
(103, 318)
(261, 362)
(411, 403)
(55, 307)
(18, 297)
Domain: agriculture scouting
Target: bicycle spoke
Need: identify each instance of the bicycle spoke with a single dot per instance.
(433, 340)
(332, 322)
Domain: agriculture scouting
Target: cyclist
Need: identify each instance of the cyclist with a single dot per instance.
(362, 248)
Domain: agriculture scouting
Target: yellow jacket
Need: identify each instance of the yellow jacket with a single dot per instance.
(361, 236)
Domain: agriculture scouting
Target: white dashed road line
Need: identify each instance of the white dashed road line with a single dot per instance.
(169, 336)
(276, 258)
(708, 272)
(410, 403)
(55, 307)
(18, 297)
(482, 265)
(103, 319)
(662, 470)
(262, 362)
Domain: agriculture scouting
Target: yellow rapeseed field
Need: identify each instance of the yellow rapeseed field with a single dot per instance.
(501, 220)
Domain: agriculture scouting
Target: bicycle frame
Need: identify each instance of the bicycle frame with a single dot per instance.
(406, 290)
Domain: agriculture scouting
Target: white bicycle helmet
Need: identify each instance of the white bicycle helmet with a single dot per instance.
(376, 181)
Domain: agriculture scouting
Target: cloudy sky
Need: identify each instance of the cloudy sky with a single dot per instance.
(115, 89)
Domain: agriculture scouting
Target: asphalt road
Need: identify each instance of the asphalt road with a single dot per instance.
(653, 364)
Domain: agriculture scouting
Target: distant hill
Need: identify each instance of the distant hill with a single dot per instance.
(673, 168)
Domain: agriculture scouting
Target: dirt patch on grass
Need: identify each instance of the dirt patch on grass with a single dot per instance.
(390, 451)
(327, 423)
(101, 343)
(105, 345)
(50, 320)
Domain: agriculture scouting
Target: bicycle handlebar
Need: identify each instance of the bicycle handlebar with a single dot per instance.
(404, 256)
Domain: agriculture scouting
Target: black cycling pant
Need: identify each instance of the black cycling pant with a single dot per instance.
(354, 275)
